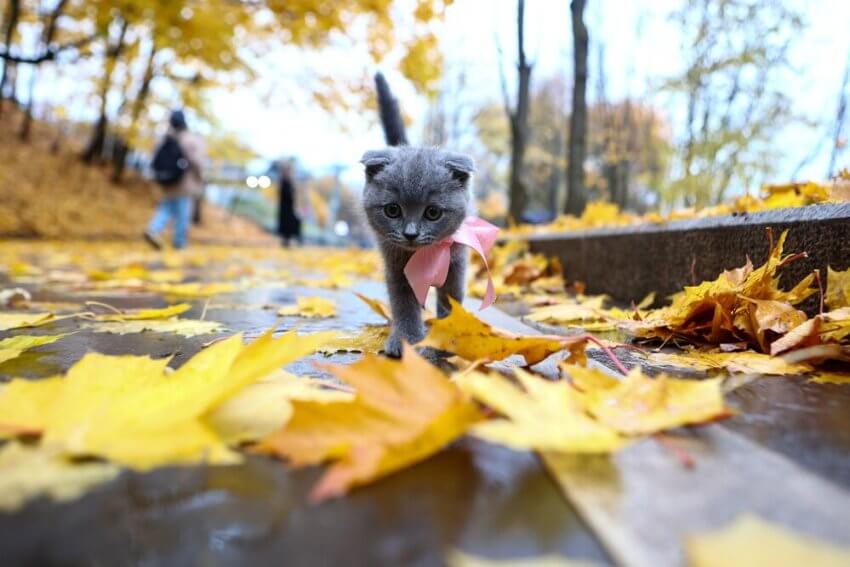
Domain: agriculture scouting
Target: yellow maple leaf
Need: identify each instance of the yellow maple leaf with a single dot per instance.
(468, 337)
(193, 289)
(27, 472)
(404, 411)
(370, 338)
(746, 362)
(130, 410)
(638, 405)
(182, 327)
(261, 408)
(146, 314)
(22, 320)
(837, 288)
(542, 415)
(752, 541)
(13, 347)
(318, 307)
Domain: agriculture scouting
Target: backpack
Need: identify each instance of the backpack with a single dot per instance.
(169, 163)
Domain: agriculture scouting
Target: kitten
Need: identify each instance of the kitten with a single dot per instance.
(414, 197)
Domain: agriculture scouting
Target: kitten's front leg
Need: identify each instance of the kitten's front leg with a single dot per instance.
(407, 314)
(455, 285)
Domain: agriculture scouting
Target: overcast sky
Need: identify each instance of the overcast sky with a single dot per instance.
(638, 36)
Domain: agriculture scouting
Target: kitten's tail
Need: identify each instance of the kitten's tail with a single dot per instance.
(390, 115)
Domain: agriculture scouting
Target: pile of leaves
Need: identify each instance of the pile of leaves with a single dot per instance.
(601, 214)
(51, 193)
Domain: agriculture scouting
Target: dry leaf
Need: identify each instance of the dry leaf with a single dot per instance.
(193, 289)
(29, 472)
(379, 307)
(837, 288)
(543, 415)
(404, 411)
(747, 362)
(752, 541)
(468, 337)
(13, 347)
(457, 558)
(146, 314)
(638, 405)
(22, 320)
(370, 338)
(830, 377)
(260, 409)
(182, 327)
(316, 307)
(130, 410)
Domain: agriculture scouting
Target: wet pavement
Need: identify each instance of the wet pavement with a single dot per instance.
(478, 498)
(785, 456)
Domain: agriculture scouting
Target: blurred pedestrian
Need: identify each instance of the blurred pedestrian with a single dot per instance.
(288, 223)
(178, 168)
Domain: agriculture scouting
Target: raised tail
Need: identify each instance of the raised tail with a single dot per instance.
(390, 115)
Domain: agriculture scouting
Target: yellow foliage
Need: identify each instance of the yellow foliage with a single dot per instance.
(752, 541)
(389, 425)
(310, 307)
(130, 410)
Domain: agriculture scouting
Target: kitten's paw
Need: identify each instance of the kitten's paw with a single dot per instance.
(392, 348)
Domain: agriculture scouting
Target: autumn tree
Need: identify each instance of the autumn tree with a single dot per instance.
(731, 93)
(518, 120)
(576, 194)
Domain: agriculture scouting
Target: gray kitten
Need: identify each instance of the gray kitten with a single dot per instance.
(414, 197)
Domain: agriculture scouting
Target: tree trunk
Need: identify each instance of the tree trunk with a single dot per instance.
(519, 124)
(47, 38)
(12, 17)
(135, 113)
(576, 191)
(94, 148)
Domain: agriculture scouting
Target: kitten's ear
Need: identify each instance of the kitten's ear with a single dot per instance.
(461, 166)
(375, 161)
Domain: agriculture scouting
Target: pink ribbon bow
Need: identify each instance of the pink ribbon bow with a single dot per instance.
(429, 265)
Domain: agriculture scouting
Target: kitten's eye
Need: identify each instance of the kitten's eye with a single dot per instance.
(392, 210)
(432, 213)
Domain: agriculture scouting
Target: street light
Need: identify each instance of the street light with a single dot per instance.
(252, 182)
(264, 181)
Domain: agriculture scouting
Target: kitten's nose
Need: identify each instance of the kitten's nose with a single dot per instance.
(410, 232)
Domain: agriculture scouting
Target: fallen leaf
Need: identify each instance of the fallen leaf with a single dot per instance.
(146, 314)
(14, 297)
(830, 377)
(837, 288)
(747, 362)
(182, 327)
(316, 307)
(22, 320)
(542, 415)
(468, 337)
(13, 347)
(193, 289)
(752, 541)
(638, 405)
(260, 409)
(132, 411)
(370, 338)
(404, 411)
(29, 472)
(457, 558)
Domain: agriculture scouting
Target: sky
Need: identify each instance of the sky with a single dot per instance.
(642, 47)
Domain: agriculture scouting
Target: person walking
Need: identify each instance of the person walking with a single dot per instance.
(178, 168)
(288, 223)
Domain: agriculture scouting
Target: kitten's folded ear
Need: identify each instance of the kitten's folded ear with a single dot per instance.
(375, 161)
(461, 166)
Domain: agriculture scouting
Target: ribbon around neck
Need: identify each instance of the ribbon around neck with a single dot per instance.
(429, 265)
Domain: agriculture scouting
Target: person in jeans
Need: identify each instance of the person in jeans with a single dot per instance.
(177, 167)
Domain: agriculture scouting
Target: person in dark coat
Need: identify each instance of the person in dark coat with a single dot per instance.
(288, 223)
